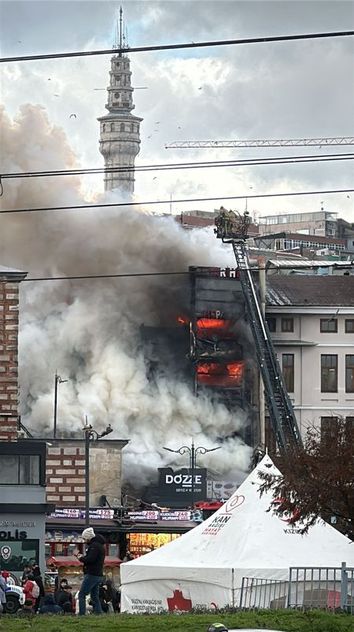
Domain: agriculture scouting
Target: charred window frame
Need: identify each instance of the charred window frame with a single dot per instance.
(328, 325)
(349, 373)
(287, 324)
(288, 364)
(329, 373)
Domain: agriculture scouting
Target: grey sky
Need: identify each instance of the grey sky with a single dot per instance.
(284, 90)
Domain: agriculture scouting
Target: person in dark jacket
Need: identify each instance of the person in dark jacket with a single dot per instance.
(36, 572)
(64, 598)
(49, 606)
(93, 562)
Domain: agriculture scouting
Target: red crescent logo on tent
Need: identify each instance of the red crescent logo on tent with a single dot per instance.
(233, 503)
(294, 516)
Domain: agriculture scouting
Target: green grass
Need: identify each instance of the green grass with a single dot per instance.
(287, 620)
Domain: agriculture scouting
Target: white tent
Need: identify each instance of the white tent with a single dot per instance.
(204, 567)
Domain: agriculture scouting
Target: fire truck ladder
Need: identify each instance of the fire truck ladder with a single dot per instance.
(280, 409)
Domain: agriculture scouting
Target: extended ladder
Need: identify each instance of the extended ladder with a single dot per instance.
(280, 409)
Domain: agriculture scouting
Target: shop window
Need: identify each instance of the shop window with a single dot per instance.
(21, 553)
(329, 373)
(16, 469)
(349, 325)
(288, 371)
(287, 324)
(349, 373)
(328, 325)
(272, 323)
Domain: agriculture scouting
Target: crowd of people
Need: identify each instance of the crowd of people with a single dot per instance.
(97, 592)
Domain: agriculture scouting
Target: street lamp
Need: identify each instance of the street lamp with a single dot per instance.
(90, 435)
(193, 452)
(57, 380)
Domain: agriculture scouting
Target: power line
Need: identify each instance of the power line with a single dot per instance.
(181, 165)
(176, 201)
(158, 274)
(142, 49)
(288, 142)
(105, 276)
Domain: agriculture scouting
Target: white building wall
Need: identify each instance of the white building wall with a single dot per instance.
(310, 404)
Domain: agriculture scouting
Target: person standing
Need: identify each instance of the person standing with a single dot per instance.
(93, 562)
(36, 572)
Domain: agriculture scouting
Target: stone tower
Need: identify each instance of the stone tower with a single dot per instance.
(120, 129)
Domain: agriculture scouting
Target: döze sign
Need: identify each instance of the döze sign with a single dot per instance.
(185, 480)
(13, 535)
(177, 485)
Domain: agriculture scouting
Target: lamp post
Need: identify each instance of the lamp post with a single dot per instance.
(57, 380)
(193, 452)
(90, 435)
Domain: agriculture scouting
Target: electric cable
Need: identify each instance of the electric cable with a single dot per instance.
(175, 201)
(142, 49)
(182, 165)
(159, 274)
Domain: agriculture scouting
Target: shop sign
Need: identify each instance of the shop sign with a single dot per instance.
(71, 513)
(13, 535)
(177, 485)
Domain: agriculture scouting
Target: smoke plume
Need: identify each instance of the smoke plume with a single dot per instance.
(88, 330)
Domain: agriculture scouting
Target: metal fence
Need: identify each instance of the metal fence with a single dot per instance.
(263, 593)
(328, 588)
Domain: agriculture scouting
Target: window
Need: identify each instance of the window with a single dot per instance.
(349, 373)
(288, 371)
(328, 429)
(329, 373)
(328, 325)
(287, 324)
(22, 553)
(272, 323)
(122, 127)
(349, 325)
(18, 469)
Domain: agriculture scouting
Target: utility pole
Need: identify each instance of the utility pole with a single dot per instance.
(193, 452)
(57, 380)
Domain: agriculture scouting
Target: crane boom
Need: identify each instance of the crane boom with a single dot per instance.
(289, 142)
(232, 228)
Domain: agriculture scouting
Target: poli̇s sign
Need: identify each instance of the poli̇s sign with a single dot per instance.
(176, 485)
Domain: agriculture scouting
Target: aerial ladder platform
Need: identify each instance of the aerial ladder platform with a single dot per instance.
(232, 227)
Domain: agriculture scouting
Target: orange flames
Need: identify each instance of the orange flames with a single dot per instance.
(220, 374)
(182, 320)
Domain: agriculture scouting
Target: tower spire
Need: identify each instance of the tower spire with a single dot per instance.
(120, 129)
(120, 30)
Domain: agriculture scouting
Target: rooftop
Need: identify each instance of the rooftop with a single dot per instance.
(308, 290)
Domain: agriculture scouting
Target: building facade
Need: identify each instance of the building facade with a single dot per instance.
(9, 305)
(66, 472)
(312, 323)
(321, 223)
(23, 506)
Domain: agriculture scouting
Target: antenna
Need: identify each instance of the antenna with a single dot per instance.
(120, 30)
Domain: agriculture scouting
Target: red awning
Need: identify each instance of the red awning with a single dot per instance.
(71, 560)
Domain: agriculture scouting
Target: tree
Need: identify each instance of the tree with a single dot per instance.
(317, 481)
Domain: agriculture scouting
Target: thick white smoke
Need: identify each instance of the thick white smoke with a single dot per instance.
(88, 330)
